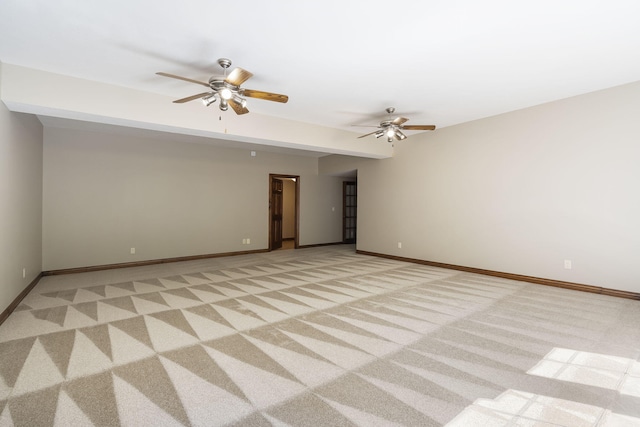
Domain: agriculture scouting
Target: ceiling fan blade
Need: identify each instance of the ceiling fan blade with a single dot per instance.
(192, 97)
(238, 76)
(237, 107)
(399, 120)
(267, 96)
(367, 134)
(173, 76)
(419, 127)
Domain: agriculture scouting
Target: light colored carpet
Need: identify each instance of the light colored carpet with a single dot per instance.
(319, 336)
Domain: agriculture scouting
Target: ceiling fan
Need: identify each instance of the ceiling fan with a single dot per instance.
(392, 128)
(227, 90)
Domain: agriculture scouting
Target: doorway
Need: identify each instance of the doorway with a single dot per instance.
(284, 206)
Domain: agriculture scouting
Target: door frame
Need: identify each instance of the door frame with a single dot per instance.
(296, 212)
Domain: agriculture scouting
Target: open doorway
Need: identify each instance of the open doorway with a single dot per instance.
(284, 206)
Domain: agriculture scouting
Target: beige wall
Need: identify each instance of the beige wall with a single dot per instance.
(20, 202)
(517, 193)
(106, 193)
(322, 199)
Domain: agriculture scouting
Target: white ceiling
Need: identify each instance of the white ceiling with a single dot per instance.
(343, 62)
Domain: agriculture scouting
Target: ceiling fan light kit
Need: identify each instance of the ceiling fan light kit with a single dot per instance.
(227, 89)
(209, 99)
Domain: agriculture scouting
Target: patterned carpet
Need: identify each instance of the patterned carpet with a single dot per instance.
(319, 336)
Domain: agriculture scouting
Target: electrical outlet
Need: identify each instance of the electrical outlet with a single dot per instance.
(567, 264)
(24, 272)
(248, 241)
(133, 251)
(399, 245)
(244, 241)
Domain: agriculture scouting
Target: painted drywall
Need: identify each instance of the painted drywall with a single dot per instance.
(288, 209)
(49, 94)
(20, 202)
(106, 193)
(341, 165)
(520, 192)
(323, 200)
